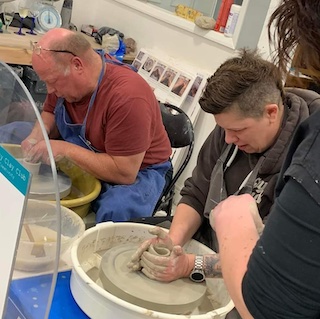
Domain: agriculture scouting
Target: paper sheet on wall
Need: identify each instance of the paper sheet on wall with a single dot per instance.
(169, 83)
(14, 186)
(172, 82)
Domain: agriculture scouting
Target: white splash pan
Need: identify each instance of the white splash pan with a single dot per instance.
(97, 303)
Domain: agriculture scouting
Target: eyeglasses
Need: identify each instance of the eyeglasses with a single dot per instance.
(36, 48)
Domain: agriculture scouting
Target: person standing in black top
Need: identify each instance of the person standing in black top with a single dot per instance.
(277, 275)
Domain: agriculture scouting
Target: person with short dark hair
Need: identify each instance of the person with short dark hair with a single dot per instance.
(256, 119)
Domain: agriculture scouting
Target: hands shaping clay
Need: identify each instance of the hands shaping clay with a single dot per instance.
(33, 168)
(162, 239)
(158, 259)
(181, 296)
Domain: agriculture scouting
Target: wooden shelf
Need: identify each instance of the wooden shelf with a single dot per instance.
(299, 75)
(16, 49)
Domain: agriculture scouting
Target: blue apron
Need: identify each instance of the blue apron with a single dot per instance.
(115, 202)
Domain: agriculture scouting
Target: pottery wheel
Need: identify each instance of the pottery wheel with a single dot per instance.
(43, 188)
(181, 296)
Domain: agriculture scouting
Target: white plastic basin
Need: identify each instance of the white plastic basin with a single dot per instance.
(39, 252)
(97, 303)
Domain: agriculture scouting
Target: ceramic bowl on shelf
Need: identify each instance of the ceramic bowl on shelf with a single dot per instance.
(38, 240)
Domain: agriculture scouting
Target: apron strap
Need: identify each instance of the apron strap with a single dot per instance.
(247, 185)
(217, 189)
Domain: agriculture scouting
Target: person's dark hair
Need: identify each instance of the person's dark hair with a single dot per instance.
(248, 82)
(296, 24)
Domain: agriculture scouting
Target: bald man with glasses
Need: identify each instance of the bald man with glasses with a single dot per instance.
(102, 116)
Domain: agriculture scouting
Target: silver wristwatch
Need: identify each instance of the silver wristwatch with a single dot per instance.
(197, 274)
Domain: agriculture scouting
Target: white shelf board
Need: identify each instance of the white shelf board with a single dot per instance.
(171, 18)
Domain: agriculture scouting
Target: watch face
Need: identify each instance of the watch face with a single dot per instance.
(48, 18)
(197, 276)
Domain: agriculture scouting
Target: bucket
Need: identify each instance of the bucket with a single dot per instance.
(97, 303)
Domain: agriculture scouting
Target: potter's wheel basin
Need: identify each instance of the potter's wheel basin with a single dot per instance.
(181, 296)
(98, 303)
(43, 188)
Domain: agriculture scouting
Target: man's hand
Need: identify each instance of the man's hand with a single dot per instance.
(27, 145)
(243, 202)
(168, 268)
(162, 239)
(39, 151)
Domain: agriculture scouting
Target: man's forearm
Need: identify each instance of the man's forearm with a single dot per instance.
(100, 165)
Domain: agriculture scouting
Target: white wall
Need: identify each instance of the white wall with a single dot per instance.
(151, 33)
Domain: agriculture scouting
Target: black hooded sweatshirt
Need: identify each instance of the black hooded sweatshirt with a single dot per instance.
(299, 104)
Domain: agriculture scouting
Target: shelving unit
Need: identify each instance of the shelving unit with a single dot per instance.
(249, 27)
(301, 77)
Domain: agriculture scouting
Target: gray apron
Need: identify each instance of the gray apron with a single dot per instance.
(217, 189)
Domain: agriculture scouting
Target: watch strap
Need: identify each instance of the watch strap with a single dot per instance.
(198, 262)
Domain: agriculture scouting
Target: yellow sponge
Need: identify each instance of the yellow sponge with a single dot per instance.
(187, 12)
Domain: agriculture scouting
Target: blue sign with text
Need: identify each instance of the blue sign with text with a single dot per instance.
(13, 171)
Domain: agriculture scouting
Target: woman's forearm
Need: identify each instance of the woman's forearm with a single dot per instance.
(186, 222)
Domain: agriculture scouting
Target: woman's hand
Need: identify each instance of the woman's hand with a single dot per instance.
(169, 268)
(162, 239)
